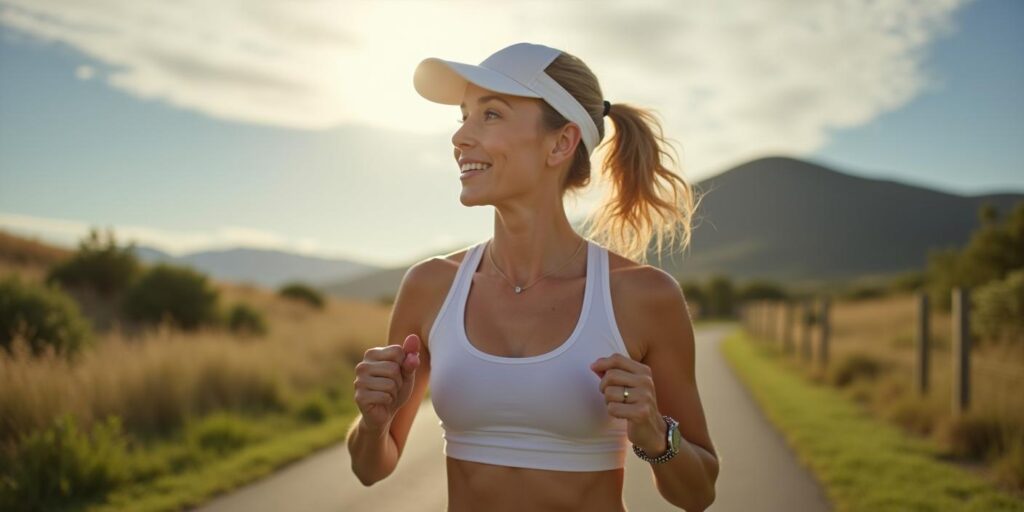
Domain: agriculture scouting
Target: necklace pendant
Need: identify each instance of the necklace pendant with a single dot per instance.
(519, 289)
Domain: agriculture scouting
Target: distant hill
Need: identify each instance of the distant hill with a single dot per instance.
(264, 267)
(776, 218)
(788, 219)
(381, 284)
(798, 222)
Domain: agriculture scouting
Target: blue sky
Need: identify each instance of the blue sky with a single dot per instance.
(294, 129)
(965, 134)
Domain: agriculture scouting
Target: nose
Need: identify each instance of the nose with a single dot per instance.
(462, 136)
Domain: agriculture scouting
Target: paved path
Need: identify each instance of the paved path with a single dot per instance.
(758, 472)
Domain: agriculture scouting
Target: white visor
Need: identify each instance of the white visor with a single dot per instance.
(517, 70)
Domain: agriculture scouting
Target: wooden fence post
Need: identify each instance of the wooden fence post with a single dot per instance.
(961, 351)
(764, 319)
(787, 332)
(805, 322)
(823, 348)
(776, 323)
(921, 345)
(757, 320)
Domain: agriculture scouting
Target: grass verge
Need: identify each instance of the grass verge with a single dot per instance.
(863, 463)
(173, 492)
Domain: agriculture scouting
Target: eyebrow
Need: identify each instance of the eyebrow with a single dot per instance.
(484, 99)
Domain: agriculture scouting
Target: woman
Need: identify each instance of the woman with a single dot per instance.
(541, 385)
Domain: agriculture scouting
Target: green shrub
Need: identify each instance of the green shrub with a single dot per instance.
(852, 367)
(908, 282)
(313, 409)
(303, 293)
(998, 312)
(178, 294)
(60, 466)
(1009, 468)
(721, 297)
(992, 252)
(977, 435)
(220, 433)
(758, 289)
(244, 319)
(864, 292)
(912, 413)
(43, 315)
(98, 265)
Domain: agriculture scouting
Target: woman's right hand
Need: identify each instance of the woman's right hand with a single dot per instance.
(384, 380)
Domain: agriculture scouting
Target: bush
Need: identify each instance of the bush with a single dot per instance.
(992, 252)
(97, 265)
(908, 282)
(42, 315)
(302, 293)
(853, 367)
(313, 409)
(220, 433)
(998, 312)
(244, 319)
(912, 413)
(1009, 468)
(977, 435)
(178, 294)
(864, 292)
(59, 466)
(721, 297)
(758, 289)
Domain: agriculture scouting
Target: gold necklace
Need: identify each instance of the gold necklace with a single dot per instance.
(519, 289)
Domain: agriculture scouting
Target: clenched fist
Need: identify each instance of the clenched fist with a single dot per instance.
(384, 380)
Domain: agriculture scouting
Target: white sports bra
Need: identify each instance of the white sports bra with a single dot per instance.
(545, 411)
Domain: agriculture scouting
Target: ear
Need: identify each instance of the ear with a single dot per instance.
(566, 141)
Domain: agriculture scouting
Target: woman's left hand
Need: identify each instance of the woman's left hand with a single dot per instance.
(645, 426)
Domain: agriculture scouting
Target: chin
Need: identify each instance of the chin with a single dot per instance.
(471, 199)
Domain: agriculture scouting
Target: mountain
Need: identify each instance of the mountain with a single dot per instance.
(374, 286)
(264, 267)
(787, 219)
(797, 222)
(776, 218)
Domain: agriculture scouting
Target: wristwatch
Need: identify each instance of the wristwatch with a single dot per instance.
(674, 441)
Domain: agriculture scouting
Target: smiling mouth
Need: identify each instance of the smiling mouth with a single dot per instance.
(472, 172)
(475, 170)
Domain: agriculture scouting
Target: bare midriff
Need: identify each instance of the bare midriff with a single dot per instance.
(474, 486)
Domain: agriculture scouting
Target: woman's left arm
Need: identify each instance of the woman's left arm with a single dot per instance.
(663, 382)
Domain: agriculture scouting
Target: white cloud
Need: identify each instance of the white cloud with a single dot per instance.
(84, 72)
(731, 79)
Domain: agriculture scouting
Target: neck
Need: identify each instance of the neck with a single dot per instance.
(528, 244)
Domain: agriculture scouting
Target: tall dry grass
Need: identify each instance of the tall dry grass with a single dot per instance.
(883, 330)
(155, 381)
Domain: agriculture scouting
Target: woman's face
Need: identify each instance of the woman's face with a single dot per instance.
(504, 131)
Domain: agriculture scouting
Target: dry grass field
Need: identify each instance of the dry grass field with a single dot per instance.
(153, 382)
(988, 437)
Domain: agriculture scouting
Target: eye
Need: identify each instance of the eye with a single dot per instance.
(486, 113)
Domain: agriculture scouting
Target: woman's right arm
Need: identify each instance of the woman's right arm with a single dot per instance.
(389, 385)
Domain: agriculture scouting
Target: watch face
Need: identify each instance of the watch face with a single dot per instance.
(677, 438)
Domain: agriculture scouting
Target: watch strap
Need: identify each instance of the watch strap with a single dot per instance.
(669, 453)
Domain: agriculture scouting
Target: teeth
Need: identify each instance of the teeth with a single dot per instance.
(474, 166)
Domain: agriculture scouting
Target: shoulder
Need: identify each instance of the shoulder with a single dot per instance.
(434, 272)
(424, 287)
(642, 296)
